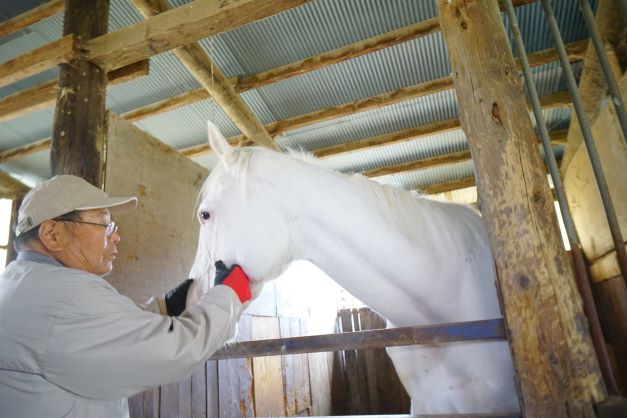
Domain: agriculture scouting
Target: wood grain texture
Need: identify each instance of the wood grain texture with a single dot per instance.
(554, 359)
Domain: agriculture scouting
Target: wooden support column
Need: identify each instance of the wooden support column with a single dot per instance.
(79, 121)
(556, 368)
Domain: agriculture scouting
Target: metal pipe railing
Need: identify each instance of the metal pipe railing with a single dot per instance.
(617, 99)
(608, 205)
(581, 273)
(622, 5)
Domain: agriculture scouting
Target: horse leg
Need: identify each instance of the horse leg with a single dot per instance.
(469, 377)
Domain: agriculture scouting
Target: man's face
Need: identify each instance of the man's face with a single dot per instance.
(88, 247)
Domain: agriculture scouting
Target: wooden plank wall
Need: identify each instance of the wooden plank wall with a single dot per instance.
(364, 381)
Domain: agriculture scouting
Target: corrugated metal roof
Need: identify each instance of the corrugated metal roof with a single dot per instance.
(299, 33)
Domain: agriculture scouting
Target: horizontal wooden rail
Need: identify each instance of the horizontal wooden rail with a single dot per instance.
(491, 329)
(496, 415)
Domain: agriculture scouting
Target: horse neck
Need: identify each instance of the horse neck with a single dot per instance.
(337, 228)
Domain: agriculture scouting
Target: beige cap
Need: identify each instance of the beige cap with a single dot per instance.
(63, 194)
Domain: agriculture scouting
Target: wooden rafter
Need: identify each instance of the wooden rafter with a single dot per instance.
(449, 186)
(178, 27)
(453, 158)
(31, 17)
(557, 137)
(38, 60)
(199, 64)
(152, 7)
(575, 53)
(391, 138)
(44, 95)
(552, 100)
(11, 188)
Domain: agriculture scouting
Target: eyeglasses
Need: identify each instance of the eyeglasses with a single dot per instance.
(110, 228)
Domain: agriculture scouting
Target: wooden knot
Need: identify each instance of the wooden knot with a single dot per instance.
(523, 282)
(496, 113)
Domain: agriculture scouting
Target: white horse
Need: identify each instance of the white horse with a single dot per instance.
(413, 260)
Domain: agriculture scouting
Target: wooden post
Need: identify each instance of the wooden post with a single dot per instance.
(11, 188)
(558, 374)
(79, 120)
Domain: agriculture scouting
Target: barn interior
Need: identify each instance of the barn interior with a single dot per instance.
(120, 92)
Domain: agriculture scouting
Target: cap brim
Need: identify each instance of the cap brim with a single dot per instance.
(116, 205)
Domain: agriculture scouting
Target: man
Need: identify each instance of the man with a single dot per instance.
(70, 344)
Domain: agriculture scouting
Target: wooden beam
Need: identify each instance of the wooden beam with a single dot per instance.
(559, 99)
(199, 64)
(453, 158)
(391, 138)
(33, 99)
(31, 17)
(23, 151)
(184, 99)
(78, 133)
(178, 27)
(385, 99)
(11, 188)
(575, 50)
(491, 329)
(555, 362)
(470, 181)
(44, 95)
(166, 105)
(449, 186)
(370, 103)
(38, 60)
(354, 50)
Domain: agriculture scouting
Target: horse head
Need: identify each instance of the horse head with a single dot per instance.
(240, 220)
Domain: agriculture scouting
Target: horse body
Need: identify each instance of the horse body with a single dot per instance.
(415, 261)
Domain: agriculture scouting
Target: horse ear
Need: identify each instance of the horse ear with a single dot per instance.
(218, 142)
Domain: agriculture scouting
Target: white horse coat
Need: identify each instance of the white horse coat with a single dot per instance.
(413, 260)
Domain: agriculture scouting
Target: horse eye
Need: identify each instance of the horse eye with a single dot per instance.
(205, 216)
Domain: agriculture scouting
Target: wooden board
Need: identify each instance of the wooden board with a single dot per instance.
(268, 376)
(581, 189)
(159, 238)
(235, 377)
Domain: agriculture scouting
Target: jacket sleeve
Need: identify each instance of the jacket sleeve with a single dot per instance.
(103, 346)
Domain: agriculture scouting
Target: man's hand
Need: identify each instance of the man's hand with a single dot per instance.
(235, 278)
(176, 299)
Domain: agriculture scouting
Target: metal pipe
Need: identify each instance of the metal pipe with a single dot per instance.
(490, 329)
(617, 99)
(581, 272)
(622, 5)
(610, 212)
(590, 310)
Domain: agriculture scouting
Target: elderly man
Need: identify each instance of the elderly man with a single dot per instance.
(70, 344)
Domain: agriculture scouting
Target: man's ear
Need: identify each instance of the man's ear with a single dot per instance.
(52, 236)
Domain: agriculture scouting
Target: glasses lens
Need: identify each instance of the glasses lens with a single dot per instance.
(111, 228)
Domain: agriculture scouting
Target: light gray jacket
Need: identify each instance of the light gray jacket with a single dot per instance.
(72, 346)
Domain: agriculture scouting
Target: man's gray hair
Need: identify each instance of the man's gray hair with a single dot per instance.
(21, 242)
